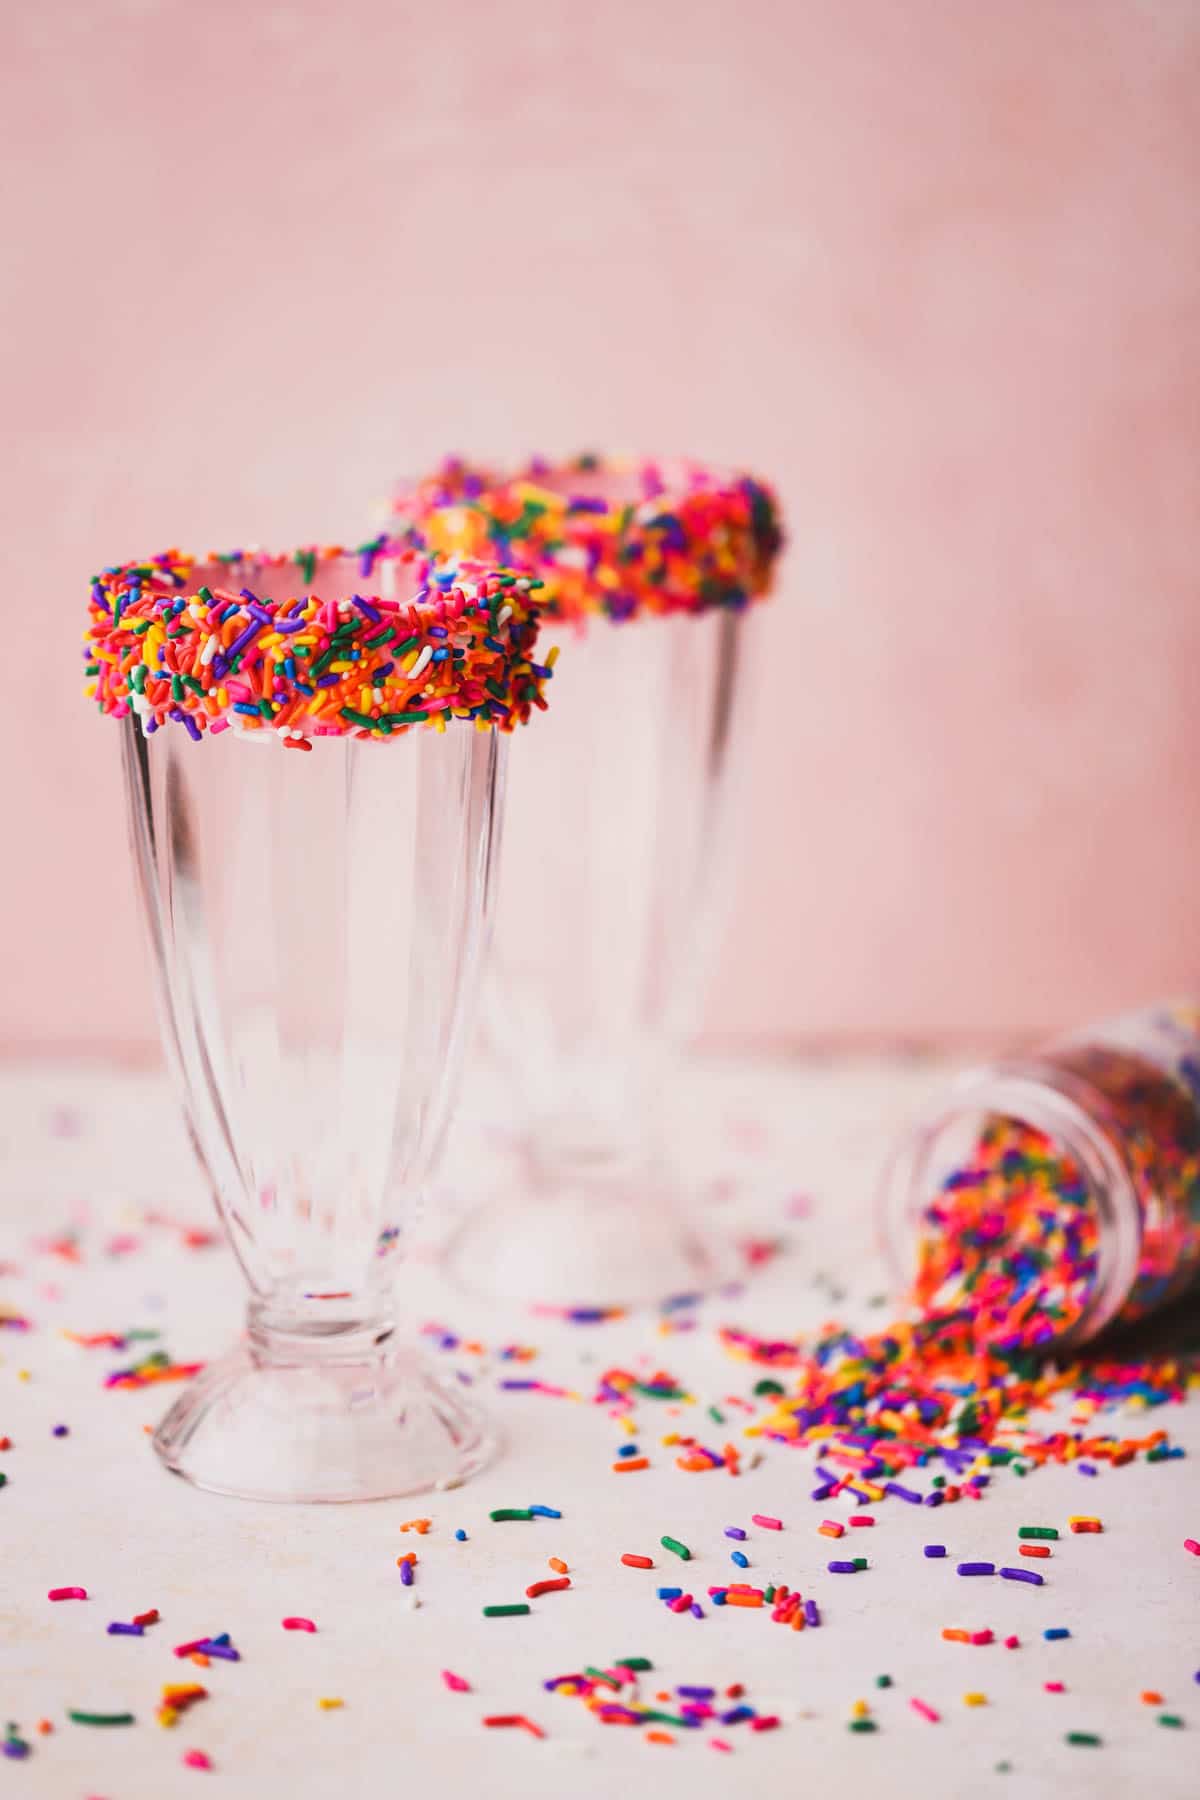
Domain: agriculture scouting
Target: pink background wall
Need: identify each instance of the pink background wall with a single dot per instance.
(934, 268)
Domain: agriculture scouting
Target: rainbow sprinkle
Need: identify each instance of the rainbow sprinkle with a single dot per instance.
(302, 652)
(611, 536)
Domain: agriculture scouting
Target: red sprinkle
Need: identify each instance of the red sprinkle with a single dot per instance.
(861, 1519)
(298, 1625)
(547, 1587)
(515, 1719)
(767, 1724)
(1012, 1643)
(637, 1562)
(1192, 1545)
(146, 1618)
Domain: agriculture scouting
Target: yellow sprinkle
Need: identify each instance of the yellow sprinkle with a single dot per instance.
(328, 1704)
(974, 1699)
(859, 1710)
(552, 657)
(23, 1375)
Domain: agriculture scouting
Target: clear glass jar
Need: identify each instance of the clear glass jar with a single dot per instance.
(1049, 1196)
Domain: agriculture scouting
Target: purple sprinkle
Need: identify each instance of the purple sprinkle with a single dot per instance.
(733, 1531)
(976, 1568)
(697, 1611)
(1086, 1468)
(119, 1629)
(935, 1549)
(406, 1574)
(811, 1614)
(736, 1714)
(61, 1430)
(841, 1568)
(902, 1493)
(823, 1492)
(366, 609)
(937, 1498)
(1029, 1575)
(16, 1748)
(696, 1693)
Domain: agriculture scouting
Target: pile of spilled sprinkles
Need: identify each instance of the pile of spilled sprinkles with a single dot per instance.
(367, 643)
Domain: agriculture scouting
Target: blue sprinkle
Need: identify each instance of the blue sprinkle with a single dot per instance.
(628, 1450)
(742, 1561)
(669, 1593)
(1053, 1632)
(461, 1535)
(545, 1512)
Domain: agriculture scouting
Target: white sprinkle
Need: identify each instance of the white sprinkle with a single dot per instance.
(422, 663)
(504, 615)
(210, 650)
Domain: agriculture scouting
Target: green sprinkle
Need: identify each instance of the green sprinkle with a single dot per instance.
(1004, 1768)
(639, 1664)
(601, 1675)
(1083, 1737)
(3, 1479)
(510, 1512)
(863, 1725)
(662, 1718)
(767, 1386)
(91, 1718)
(357, 718)
(769, 1595)
(716, 1415)
(883, 1681)
(506, 1612)
(860, 1562)
(676, 1548)
(1037, 1531)
(1172, 1719)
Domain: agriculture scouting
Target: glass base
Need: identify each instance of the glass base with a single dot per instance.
(584, 1245)
(285, 1425)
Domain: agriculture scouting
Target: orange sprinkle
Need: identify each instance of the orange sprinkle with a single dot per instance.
(735, 1599)
(659, 1737)
(953, 1635)
(1151, 1698)
(557, 1563)
(630, 1462)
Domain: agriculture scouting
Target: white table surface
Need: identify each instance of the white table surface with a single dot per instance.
(87, 1152)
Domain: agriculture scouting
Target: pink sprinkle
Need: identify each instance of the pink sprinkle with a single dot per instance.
(926, 1712)
(1192, 1545)
(197, 1759)
(1055, 1687)
(767, 1724)
(861, 1519)
(298, 1625)
(456, 1683)
(766, 1523)
(720, 1744)
(217, 726)
(1012, 1643)
(69, 1593)
(982, 1637)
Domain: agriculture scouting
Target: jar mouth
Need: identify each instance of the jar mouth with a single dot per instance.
(1061, 1108)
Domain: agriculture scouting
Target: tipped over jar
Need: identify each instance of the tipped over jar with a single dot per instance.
(1046, 1197)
